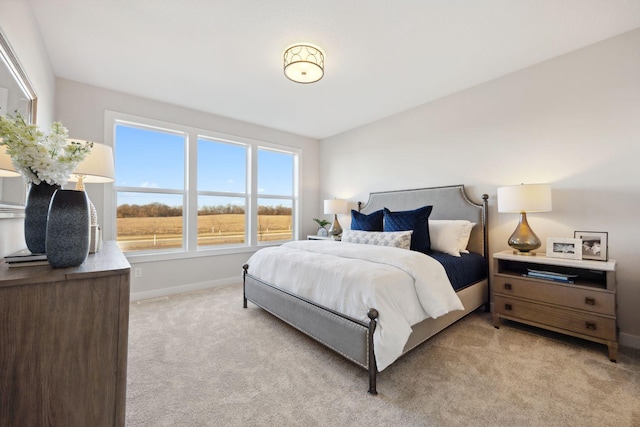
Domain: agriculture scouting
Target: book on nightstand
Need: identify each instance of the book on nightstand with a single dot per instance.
(550, 275)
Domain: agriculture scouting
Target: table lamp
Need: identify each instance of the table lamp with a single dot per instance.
(524, 198)
(335, 207)
(96, 168)
(6, 166)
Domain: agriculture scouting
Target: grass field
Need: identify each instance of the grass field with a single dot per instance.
(164, 233)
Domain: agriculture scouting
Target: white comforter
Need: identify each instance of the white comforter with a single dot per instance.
(404, 286)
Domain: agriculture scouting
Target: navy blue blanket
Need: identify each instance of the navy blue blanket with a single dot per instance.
(464, 270)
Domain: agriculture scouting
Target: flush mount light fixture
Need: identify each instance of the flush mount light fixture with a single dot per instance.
(303, 63)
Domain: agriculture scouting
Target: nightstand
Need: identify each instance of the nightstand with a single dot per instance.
(584, 305)
(315, 237)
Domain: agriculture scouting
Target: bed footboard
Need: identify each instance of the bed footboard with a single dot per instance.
(348, 337)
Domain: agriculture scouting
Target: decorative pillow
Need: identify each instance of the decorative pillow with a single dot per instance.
(371, 222)
(449, 236)
(397, 239)
(416, 220)
(464, 237)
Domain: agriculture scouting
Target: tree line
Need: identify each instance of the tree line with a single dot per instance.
(162, 210)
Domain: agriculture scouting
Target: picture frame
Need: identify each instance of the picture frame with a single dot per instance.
(564, 247)
(595, 244)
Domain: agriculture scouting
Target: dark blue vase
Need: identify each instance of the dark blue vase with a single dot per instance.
(68, 227)
(35, 215)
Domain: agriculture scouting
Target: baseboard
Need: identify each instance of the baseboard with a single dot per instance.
(158, 293)
(628, 340)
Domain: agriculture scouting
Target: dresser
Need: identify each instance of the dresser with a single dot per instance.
(582, 304)
(63, 342)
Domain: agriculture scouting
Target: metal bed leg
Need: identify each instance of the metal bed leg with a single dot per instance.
(245, 268)
(373, 370)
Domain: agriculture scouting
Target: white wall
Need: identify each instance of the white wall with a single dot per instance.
(573, 122)
(19, 27)
(82, 110)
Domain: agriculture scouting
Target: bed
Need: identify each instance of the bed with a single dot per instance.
(355, 336)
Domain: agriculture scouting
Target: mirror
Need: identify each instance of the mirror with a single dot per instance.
(16, 94)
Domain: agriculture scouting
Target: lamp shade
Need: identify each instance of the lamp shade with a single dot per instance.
(335, 206)
(6, 167)
(525, 198)
(97, 167)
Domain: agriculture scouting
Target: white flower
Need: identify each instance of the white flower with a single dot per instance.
(38, 157)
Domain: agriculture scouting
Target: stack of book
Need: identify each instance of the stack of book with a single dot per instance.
(550, 275)
(25, 258)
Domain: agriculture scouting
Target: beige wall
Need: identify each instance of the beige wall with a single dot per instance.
(19, 27)
(573, 122)
(82, 109)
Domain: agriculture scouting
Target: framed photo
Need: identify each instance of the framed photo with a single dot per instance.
(594, 244)
(564, 247)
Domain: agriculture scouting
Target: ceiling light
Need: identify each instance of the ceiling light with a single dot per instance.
(303, 63)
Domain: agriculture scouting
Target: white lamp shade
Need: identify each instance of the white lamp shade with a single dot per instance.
(525, 198)
(6, 167)
(335, 206)
(97, 167)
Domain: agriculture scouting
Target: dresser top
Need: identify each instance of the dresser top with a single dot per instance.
(105, 262)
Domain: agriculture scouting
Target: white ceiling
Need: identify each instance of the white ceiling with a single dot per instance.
(382, 56)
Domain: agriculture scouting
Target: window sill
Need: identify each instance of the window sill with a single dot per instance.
(135, 257)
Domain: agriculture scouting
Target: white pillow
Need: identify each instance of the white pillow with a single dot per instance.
(397, 239)
(450, 236)
(464, 236)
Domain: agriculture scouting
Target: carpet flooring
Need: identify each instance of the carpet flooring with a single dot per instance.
(200, 359)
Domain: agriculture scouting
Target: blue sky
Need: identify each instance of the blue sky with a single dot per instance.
(155, 159)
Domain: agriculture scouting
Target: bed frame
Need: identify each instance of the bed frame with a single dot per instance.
(353, 338)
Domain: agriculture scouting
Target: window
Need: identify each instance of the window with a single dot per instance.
(185, 189)
(222, 193)
(276, 195)
(150, 187)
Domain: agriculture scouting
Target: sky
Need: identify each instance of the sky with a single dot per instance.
(156, 159)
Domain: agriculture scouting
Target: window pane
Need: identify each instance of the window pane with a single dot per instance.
(274, 220)
(149, 221)
(275, 173)
(221, 220)
(149, 158)
(221, 167)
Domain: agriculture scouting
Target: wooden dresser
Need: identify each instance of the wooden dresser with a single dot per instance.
(584, 308)
(63, 342)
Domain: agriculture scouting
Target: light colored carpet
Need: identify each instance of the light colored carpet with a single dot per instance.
(200, 359)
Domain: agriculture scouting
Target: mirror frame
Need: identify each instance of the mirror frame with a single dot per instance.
(7, 55)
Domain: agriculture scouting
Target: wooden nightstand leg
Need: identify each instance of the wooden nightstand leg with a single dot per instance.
(496, 320)
(613, 350)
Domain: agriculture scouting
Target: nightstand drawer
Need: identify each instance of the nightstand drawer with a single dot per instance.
(594, 301)
(557, 317)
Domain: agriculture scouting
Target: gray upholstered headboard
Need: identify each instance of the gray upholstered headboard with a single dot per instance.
(449, 202)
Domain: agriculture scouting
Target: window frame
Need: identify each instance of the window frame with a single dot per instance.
(190, 246)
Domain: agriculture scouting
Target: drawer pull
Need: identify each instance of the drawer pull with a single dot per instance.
(508, 307)
(590, 301)
(507, 286)
(591, 325)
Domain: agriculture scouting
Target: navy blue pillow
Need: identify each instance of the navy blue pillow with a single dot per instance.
(416, 220)
(371, 222)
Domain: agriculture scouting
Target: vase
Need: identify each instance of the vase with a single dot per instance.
(35, 215)
(68, 229)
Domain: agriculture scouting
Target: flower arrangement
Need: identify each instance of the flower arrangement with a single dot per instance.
(38, 157)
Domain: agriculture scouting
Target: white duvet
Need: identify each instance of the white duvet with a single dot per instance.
(404, 286)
